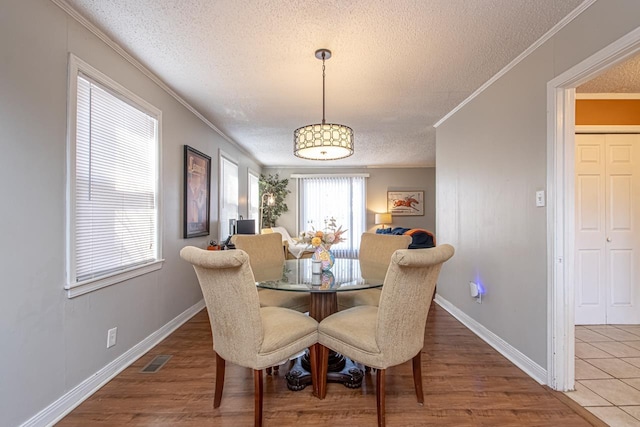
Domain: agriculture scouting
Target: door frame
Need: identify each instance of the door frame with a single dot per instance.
(561, 205)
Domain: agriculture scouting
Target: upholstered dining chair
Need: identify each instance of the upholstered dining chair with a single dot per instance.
(375, 256)
(243, 332)
(393, 332)
(266, 256)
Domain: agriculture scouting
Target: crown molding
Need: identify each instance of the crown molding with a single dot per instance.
(62, 4)
(563, 22)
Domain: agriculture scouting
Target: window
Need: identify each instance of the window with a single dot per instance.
(340, 197)
(253, 201)
(228, 194)
(113, 182)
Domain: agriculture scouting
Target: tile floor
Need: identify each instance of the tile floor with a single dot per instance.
(608, 372)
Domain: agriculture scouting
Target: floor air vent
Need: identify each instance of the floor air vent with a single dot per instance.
(157, 363)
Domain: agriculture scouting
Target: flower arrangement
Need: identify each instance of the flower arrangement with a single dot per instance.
(331, 235)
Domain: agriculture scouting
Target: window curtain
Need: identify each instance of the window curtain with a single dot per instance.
(339, 197)
(254, 200)
(228, 196)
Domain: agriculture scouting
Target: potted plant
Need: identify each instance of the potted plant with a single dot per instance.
(272, 206)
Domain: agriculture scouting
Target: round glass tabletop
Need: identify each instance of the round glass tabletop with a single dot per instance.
(296, 276)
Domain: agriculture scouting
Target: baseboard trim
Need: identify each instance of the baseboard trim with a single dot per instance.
(531, 368)
(74, 397)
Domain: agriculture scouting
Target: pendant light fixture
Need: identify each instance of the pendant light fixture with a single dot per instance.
(323, 141)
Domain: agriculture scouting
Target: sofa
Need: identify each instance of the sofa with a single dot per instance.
(420, 238)
(292, 248)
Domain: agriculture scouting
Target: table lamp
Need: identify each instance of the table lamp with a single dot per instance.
(383, 218)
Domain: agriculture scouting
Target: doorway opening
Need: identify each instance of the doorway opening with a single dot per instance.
(561, 204)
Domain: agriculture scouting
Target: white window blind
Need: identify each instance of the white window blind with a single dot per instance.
(228, 195)
(254, 198)
(340, 197)
(114, 219)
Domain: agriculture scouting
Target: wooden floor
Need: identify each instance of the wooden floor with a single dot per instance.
(466, 383)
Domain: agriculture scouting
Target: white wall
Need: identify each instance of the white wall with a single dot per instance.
(379, 182)
(49, 343)
(491, 158)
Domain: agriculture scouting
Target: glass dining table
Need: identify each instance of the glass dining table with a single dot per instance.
(345, 276)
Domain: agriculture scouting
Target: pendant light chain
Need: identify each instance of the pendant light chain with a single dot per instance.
(323, 55)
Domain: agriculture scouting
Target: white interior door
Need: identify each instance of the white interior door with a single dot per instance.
(607, 208)
(622, 206)
(590, 230)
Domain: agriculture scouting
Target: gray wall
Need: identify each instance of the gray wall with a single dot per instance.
(50, 343)
(491, 158)
(379, 182)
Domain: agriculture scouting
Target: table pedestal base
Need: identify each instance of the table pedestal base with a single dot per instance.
(341, 370)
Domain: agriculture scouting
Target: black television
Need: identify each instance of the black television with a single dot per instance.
(246, 226)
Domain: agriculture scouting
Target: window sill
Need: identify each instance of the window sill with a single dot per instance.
(91, 285)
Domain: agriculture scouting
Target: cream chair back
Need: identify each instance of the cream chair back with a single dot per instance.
(375, 253)
(266, 254)
(404, 302)
(231, 297)
(266, 257)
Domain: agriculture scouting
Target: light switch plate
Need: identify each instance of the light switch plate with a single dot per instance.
(111, 337)
(540, 198)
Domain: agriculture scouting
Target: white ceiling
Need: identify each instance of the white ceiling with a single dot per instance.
(398, 66)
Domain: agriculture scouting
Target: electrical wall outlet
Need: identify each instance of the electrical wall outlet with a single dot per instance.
(111, 337)
(473, 290)
(476, 292)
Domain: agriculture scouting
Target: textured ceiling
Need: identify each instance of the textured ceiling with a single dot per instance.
(398, 66)
(623, 78)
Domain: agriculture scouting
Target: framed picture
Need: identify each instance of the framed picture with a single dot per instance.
(197, 191)
(405, 203)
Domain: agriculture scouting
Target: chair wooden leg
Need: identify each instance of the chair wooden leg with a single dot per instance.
(217, 397)
(313, 360)
(380, 393)
(323, 361)
(417, 378)
(257, 384)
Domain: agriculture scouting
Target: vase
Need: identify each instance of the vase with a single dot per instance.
(325, 256)
(327, 280)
